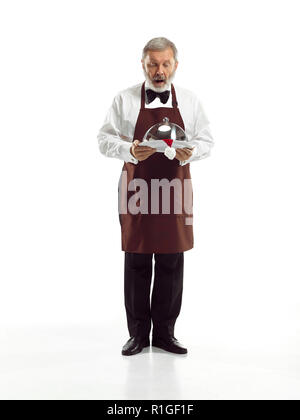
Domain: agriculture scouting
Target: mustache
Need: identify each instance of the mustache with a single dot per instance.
(167, 80)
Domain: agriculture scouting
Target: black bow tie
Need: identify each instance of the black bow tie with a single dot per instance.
(163, 96)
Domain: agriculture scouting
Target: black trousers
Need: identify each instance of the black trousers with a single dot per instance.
(165, 304)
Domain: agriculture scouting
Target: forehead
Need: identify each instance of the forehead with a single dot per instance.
(164, 55)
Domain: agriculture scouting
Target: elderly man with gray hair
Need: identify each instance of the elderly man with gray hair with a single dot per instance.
(159, 235)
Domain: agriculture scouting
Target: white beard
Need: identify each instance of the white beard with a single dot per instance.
(166, 86)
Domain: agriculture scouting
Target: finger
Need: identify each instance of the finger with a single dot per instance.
(179, 152)
(144, 148)
(143, 154)
(187, 153)
(144, 157)
(187, 150)
(138, 150)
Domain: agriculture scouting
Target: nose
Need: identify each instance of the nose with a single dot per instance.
(160, 71)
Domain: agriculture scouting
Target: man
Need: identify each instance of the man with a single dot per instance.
(164, 236)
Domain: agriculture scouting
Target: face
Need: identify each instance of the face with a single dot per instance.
(159, 68)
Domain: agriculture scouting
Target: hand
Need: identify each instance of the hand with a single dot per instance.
(184, 153)
(141, 152)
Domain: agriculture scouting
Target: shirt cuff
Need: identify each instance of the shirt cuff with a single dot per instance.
(126, 155)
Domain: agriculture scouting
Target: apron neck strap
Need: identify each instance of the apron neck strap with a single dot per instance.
(174, 100)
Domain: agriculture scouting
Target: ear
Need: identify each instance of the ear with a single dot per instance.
(143, 64)
(176, 65)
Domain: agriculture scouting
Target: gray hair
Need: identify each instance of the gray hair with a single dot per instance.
(160, 44)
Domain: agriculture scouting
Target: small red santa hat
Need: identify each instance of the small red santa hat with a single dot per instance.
(168, 141)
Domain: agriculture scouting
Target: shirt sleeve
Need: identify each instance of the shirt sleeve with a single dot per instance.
(110, 140)
(201, 139)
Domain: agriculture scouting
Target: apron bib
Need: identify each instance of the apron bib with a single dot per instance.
(156, 232)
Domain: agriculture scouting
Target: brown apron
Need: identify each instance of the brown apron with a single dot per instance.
(158, 232)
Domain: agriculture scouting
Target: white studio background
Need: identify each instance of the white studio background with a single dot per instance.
(62, 62)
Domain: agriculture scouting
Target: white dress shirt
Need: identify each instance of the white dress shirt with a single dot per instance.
(116, 135)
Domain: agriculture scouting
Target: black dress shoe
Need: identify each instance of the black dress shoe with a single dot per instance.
(170, 344)
(135, 345)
